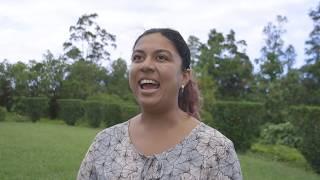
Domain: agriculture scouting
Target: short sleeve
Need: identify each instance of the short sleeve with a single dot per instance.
(228, 163)
(87, 169)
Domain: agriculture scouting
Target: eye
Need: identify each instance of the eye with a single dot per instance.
(136, 58)
(162, 58)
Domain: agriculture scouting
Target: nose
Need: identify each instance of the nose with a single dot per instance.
(148, 65)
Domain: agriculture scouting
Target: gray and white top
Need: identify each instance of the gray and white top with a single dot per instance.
(204, 154)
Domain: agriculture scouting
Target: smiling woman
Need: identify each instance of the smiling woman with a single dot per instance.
(167, 140)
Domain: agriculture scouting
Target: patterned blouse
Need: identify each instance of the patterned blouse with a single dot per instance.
(204, 154)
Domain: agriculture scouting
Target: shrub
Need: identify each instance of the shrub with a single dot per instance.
(284, 134)
(280, 152)
(34, 107)
(128, 111)
(94, 112)
(70, 110)
(112, 115)
(2, 113)
(307, 121)
(239, 121)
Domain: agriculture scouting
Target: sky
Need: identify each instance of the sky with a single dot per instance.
(28, 28)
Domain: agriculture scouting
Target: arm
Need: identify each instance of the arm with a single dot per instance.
(87, 169)
(228, 162)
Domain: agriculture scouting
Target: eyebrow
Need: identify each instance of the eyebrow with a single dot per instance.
(157, 51)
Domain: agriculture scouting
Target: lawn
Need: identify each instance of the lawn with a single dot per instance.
(32, 151)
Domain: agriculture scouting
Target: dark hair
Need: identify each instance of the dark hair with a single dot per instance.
(188, 100)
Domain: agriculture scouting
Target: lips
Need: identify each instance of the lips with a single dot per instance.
(149, 84)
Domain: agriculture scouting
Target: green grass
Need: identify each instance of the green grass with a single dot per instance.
(41, 150)
(52, 150)
(258, 167)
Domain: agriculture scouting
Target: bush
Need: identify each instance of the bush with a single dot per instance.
(94, 112)
(307, 121)
(280, 152)
(34, 107)
(2, 114)
(239, 121)
(70, 110)
(283, 134)
(112, 115)
(128, 111)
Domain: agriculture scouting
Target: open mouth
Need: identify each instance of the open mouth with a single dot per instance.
(149, 84)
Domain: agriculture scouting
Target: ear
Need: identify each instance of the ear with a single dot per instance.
(186, 76)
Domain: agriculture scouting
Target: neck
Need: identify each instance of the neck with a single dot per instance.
(162, 119)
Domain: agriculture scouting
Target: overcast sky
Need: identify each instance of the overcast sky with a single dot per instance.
(29, 27)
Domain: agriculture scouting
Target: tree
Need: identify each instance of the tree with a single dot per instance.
(313, 44)
(194, 45)
(6, 91)
(226, 62)
(53, 72)
(88, 41)
(83, 79)
(311, 70)
(273, 56)
(18, 75)
(118, 79)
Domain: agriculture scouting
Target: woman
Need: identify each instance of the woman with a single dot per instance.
(167, 140)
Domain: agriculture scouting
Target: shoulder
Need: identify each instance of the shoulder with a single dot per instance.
(219, 152)
(117, 130)
(109, 134)
(211, 135)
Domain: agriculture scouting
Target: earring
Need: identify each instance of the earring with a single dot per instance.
(182, 88)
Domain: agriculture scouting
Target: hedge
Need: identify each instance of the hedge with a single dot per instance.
(239, 121)
(128, 111)
(70, 110)
(34, 107)
(94, 112)
(2, 113)
(109, 113)
(307, 121)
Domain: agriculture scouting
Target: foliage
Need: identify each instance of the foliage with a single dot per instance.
(18, 75)
(224, 60)
(113, 115)
(282, 134)
(2, 114)
(6, 91)
(117, 82)
(83, 79)
(128, 111)
(115, 109)
(313, 43)
(311, 71)
(34, 107)
(88, 41)
(239, 121)
(112, 99)
(15, 117)
(280, 152)
(70, 110)
(307, 121)
(94, 112)
(274, 56)
(194, 45)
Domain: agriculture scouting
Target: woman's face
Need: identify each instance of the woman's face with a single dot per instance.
(155, 74)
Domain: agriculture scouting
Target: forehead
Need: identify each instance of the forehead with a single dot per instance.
(155, 41)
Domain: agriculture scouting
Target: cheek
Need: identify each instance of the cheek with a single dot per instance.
(173, 75)
(132, 72)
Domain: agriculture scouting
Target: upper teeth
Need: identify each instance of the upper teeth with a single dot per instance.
(145, 81)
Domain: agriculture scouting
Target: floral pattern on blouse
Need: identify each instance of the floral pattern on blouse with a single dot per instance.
(204, 154)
